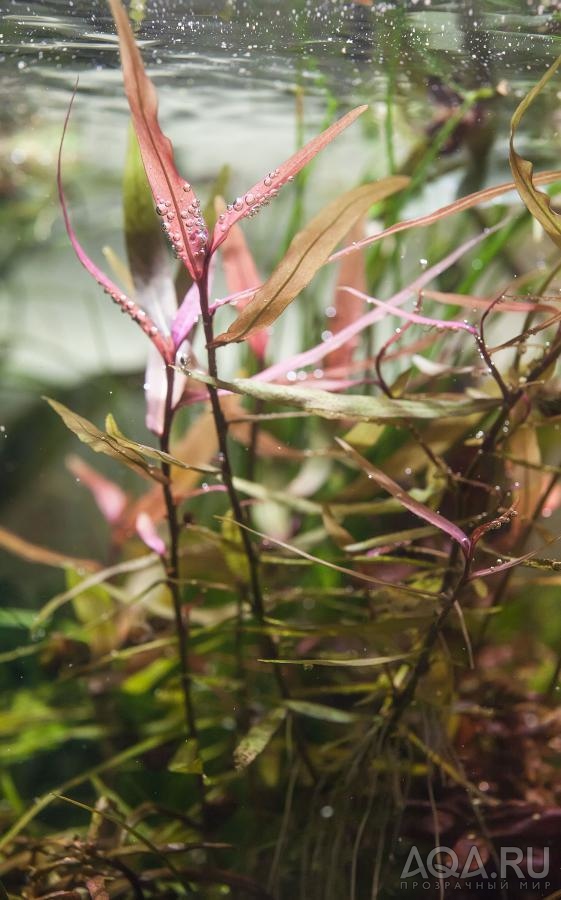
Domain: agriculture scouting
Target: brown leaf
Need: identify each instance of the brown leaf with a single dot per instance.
(309, 250)
(37, 554)
(537, 202)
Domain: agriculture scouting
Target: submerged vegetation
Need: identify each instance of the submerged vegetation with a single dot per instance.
(325, 627)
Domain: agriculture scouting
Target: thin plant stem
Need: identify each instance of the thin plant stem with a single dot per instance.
(256, 594)
(407, 694)
(172, 573)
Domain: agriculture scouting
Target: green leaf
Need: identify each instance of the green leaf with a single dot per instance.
(308, 251)
(146, 249)
(93, 607)
(537, 202)
(101, 442)
(186, 760)
(114, 444)
(319, 711)
(148, 677)
(232, 548)
(352, 406)
(355, 662)
(258, 737)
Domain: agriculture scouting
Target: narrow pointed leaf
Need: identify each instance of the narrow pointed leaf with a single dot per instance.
(44, 556)
(258, 737)
(352, 406)
(415, 318)
(354, 662)
(321, 712)
(467, 202)
(267, 189)
(537, 202)
(173, 196)
(419, 509)
(314, 354)
(125, 303)
(150, 452)
(113, 443)
(101, 442)
(309, 250)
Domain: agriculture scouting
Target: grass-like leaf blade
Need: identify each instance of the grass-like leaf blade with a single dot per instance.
(308, 251)
(268, 187)
(537, 202)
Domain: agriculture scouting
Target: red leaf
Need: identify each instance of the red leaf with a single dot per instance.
(126, 304)
(419, 509)
(352, 273)
(266, 190)
(175, 200)
(241, 275)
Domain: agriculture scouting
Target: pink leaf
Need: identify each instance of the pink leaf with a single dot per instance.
(414, 317)
(242, 276)
(155, 390)
(146, 530)
(312, 356)
(109, 497)
(419, 509)
(501, 567)
(186, 316)
(267, 189)
(175, 200)
(125, 303)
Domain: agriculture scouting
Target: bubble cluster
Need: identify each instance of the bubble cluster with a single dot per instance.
(252, 202)
(192, 222)
(126, 305)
